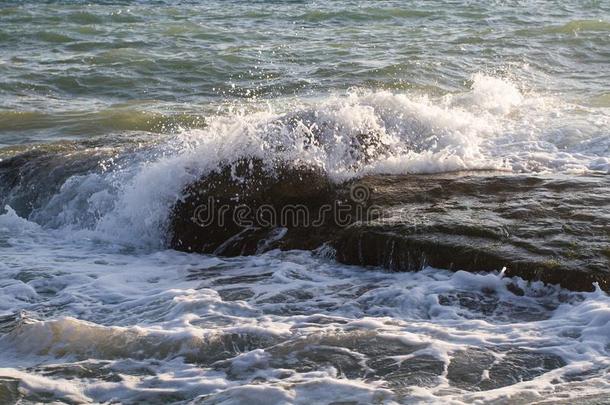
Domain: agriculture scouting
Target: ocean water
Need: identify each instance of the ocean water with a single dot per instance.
(108, 109)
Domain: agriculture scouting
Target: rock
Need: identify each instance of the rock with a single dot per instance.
(31, 175)
(550, 228)
(239, 210)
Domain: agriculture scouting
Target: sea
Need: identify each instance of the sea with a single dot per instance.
(109, 109)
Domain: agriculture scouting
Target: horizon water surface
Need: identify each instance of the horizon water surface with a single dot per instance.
(108, 109)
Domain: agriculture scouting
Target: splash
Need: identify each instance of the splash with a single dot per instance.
(126, 191)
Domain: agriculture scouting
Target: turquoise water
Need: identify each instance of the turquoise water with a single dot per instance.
(108, 109)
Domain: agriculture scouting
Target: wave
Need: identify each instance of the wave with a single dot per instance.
(125, 186)
(70, 337)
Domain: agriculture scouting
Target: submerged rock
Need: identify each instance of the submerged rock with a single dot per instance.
(550, 228)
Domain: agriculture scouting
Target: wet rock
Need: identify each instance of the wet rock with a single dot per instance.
(515, 289)
(239, 210)
(550, 228)
(31, 175)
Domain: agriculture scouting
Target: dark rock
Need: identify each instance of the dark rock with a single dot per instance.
(238, 210)
(31, 175)
(550, 228)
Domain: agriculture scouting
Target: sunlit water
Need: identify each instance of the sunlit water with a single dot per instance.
(118, 105)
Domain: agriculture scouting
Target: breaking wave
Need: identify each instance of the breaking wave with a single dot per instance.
(124, 187)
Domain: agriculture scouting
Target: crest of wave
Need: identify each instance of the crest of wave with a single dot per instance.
(363, 132)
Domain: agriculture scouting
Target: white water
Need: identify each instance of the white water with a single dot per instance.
(495, 125)
(94, 290)
(164, 312)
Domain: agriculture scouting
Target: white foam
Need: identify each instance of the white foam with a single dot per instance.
(13, 225)
(164, 309)
(78, 286)
(493, 125)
